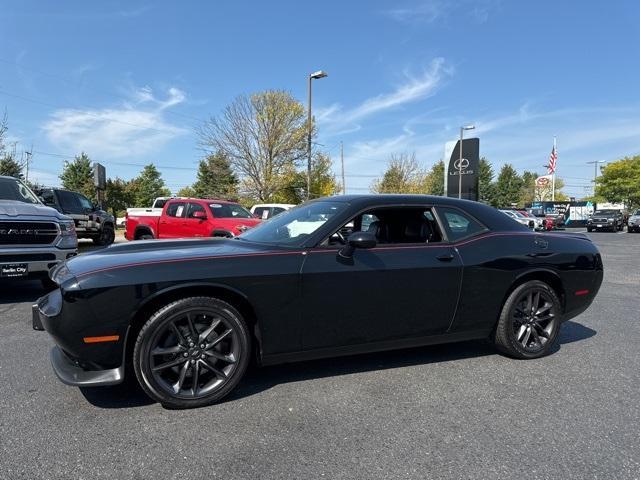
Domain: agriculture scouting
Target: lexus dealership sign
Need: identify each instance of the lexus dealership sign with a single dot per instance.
(462, 172)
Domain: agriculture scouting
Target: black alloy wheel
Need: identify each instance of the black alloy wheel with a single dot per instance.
(106, 237)
(192, 352)
(530, 321)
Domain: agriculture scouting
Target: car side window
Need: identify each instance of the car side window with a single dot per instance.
(193, 208)
(85, 203)
(48, 198)
(392, 226)
(459, 225)
(69, 202)
(262, 212)
(176, 210)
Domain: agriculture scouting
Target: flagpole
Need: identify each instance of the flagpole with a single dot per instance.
(553, 174)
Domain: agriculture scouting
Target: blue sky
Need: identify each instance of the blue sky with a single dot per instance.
(129, 81)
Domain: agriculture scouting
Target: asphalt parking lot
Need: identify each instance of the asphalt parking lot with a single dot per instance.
(452, 411)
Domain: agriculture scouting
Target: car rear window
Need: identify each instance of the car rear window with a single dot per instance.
(458, 224)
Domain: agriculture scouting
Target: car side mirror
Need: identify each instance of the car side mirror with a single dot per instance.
(199, 215)
(358, 240)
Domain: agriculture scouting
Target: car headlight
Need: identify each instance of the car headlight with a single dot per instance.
(609, 220)
(68, 235)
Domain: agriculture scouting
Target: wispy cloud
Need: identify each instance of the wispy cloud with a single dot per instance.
(135, 128)
(431, 11)
(414, 89)
(425, 12)
(134, 12)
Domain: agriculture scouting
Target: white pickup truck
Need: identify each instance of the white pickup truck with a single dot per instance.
(154, 210)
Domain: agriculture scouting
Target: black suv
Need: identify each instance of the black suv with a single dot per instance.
(91, 222)
(606, 220)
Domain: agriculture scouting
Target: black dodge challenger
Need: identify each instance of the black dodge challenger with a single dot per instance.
(334, 276)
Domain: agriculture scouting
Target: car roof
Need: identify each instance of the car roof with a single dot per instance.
(273, 205)
(201, 200)
(488, 215)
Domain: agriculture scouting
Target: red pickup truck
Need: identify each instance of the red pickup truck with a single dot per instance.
(191, 217)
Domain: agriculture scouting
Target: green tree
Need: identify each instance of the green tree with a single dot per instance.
(9, 167)
(77, 175)
(263, 136)
(147, 186)
(620, 182)
(119, 196)
(434, 180)
(485, 181)
(187, 192)
(403, 175)
(294, 182)
(528, 190)
(507, 187)
(215, 177)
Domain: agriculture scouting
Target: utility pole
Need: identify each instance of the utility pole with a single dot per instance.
(595, 172)
(28, 160)
(344, 185)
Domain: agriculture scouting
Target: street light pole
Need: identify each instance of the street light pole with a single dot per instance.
(315, 75)
(462, 129)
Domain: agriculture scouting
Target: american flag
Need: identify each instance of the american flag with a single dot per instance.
(551, 168)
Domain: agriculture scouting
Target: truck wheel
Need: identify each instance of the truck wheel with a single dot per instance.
(106, 237)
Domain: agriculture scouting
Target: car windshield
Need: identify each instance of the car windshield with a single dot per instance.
(229, 210)
(14, 189)
(636, 213)
(293, 226)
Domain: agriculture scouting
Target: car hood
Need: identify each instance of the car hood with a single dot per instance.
(12, 208)
(143, 252)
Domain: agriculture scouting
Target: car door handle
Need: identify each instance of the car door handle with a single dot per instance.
(445, 257)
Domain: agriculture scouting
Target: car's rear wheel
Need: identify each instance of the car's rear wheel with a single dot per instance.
(192, 352)
(529, 323)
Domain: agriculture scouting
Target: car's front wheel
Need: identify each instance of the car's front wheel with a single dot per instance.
(529, 322)
(106, 237)
(192, 352)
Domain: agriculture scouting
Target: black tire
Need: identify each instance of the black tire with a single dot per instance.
(106, 237)
(143, 235)
(218, 363)
(589, 229)
(542, 336)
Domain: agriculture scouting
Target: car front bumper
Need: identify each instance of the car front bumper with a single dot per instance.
(70, 368)
(38, 260)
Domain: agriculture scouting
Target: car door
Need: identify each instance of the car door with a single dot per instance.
(195, 227)
(393, 292)
(170, 224)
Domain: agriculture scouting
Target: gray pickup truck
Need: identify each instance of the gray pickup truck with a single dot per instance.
(33, 237)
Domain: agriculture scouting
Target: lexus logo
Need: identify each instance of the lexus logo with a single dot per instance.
(461, 164)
